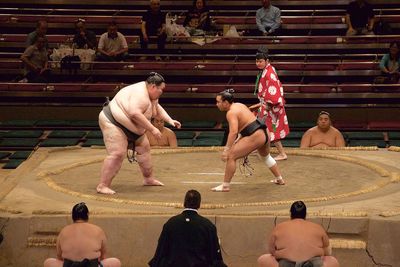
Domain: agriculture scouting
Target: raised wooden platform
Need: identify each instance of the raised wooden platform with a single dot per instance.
(352, 193)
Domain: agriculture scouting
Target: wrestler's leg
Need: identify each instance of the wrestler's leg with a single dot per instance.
(270, 162)
(239, 150)
(282, 155)
(116, 145)
(111, 262)
(51, 262)
(330, 261)
(267, 260)
(142, 147)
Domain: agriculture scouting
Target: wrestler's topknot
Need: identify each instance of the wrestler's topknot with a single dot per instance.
(155, 78)
(227, 95)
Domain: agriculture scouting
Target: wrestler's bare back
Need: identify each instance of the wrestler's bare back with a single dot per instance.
(299, 240)
(130, 100)
(81, 240)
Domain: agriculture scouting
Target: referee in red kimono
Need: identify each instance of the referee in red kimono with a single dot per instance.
(271, 108)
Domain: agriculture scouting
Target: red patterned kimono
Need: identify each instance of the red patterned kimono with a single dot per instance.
(270, 94)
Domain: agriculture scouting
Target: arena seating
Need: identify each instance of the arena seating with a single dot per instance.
(318, 65)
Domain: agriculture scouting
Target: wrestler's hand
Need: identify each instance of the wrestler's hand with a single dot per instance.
(177, 124)
(156, 133)
(224, 156)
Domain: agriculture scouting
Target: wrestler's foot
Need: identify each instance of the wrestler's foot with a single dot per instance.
(220, 188)
(278, 181)
(281, 157)
(103, 189)
(151, 181)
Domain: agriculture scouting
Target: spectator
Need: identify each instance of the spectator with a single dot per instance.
(188, 239)
(198, 20)
(359, 18)
(83, 37)
(35, 61)
(41, 30)
(323, 135)
(153, 24)
(390, 65)
(81, 243)
(112, 45)
(168, 137)
(268, 19)
(298, 242)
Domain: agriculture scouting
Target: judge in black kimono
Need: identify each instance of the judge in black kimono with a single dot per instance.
(188, 239)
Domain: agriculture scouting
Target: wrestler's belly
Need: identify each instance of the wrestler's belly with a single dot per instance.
(122, 118)
(321, 145)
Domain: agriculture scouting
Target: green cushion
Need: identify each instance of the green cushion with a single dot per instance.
(394, 135)
(66, 134)
(52, 123)
(302, 124)
(378, 143)
(21, 155)
(212, 135)
(184, 134)
(24, 134)
(291, 142)
(13, 164)
(2, 133)
(84, 123)
(4, 155)
(207, 142)
(198, 124)
(394, 142)
(19, 142)
(59, 142)
(364, 135)
(185, 142)
(19, 123)
(295, 135)
(94, 134)
(93, 142)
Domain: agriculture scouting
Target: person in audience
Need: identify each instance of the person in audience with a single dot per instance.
(271, 108)
(390, 64)
(84, 38)
(36, 62)
(198, 19)
(168, 137)
(81, 243)
(124, 121)
(41, 30)
(112, 45)
(323, 135)
(298, 242)
(268, 19)
(153, 24)
(246, 134)
(188, 239)
(359, 18)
